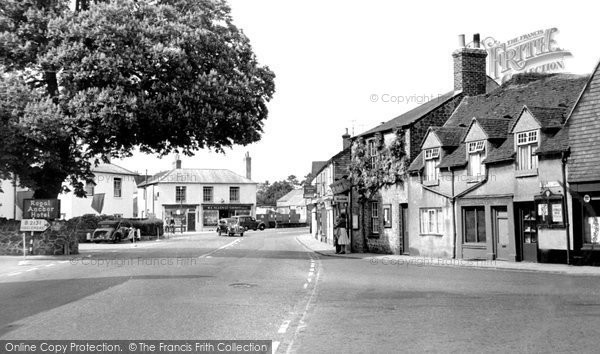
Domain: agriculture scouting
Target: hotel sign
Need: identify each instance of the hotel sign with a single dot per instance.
(41, 209)
(310, 191)
(535, 52)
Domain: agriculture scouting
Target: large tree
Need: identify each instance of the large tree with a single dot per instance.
(77, 88)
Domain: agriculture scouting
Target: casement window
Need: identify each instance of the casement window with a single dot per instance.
(234, 194)
(432, 221)
(527, 143)
(180, 194)
(117, 185)
(372, 150)
(89, 189)
(476, 154)
(375, 217)
(432, 159)
(207, 194)
(474, 224)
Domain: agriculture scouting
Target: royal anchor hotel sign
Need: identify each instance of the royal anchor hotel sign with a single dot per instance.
(535, 52)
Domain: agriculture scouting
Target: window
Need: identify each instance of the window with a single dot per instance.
(527, 143)
(234, 194)
(375, 217)
(117, 184)
(431, 162)
(474, 224)
(207, 194)
(432, 221)
(180, 194)
(372, 150)
(89, 188)
(476, 154)
(387, 216)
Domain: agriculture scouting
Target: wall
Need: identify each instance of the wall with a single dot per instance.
(7, 199)
(72, 206)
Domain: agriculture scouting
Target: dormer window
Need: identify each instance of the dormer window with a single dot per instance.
(432, 159)
(527, 144)
(476, 154)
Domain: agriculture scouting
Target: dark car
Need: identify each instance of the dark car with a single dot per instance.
(250, 223)
(111, 231)
(230, 227)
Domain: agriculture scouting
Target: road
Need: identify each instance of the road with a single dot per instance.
(266, 285)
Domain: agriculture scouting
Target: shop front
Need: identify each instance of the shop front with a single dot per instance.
(211, 213)
(586, 223)
(183, 216)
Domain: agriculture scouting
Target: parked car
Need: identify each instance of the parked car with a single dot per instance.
(230, 227)
(111, 231)
(250, 223)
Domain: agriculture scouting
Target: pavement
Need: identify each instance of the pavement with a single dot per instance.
(327, 250)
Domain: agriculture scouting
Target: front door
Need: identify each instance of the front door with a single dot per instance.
(501, 232)
(527, 231)
(403, 227)
(191, 222)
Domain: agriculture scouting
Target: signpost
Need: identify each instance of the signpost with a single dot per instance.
(31, 225)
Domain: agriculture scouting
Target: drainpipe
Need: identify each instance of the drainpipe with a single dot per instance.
(15, 200)
(566, 205)
(453, 201)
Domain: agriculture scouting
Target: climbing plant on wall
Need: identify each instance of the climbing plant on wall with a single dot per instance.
(371, 173)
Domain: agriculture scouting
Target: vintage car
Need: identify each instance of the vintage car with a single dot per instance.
(250, 223)
(230, 227)
(111, 231)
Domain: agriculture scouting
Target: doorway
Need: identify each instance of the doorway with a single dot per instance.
(527, 231)
(403, 228)
(501, 232)
(191, 221)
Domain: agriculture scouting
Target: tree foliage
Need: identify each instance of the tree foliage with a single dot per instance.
(269, 193)
(86, 86)
(388, 168)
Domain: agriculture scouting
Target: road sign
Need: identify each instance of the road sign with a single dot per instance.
(34, 225)
(41, 209)
(341, 199)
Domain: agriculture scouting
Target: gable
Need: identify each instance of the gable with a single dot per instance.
(525, 122)
(431, 141)
(475, 133)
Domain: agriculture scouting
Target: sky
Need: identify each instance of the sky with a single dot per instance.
(332, 57)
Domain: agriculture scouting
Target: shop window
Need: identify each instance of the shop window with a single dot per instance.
(550, 213)
(527, 143)
(474, 224)
(431, 221)
(180, 194)
(207, 194)
(234, 194)
(432, 157)
(591, 222)
(375, 218)
(476, 154)
(117, 185)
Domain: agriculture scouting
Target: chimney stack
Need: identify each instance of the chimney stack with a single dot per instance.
(470, 67)
(346, 141)
(248, 161)
(177, 163)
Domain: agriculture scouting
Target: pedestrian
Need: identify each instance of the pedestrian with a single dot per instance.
(341, 234)
(172, 224)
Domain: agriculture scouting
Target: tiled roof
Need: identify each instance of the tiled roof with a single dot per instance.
(316, 166)
(494, 128)
(549, 117)
(197, 175)
(449, 136)
(335, 157)
(412, 115)
(504, 152)
(113, 169)
(417, 164)
(556, 144)
(533, 90)
(457, 158)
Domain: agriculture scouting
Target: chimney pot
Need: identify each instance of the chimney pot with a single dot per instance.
(248, 160)
(461, 40)
(476, 40)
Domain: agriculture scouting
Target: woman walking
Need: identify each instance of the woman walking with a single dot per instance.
(342, 234)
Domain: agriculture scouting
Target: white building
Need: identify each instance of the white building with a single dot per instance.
(197, 198)
(294, 200)
(11, 199)
(113, 194)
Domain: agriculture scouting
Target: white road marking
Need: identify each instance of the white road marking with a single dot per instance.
(30, 270)
(63, 262)
(311, 273)
(275, 346)
(13, 274)
(220, 248)
(305, 285)
(309, 280)
(50, 265)
(283, 328)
